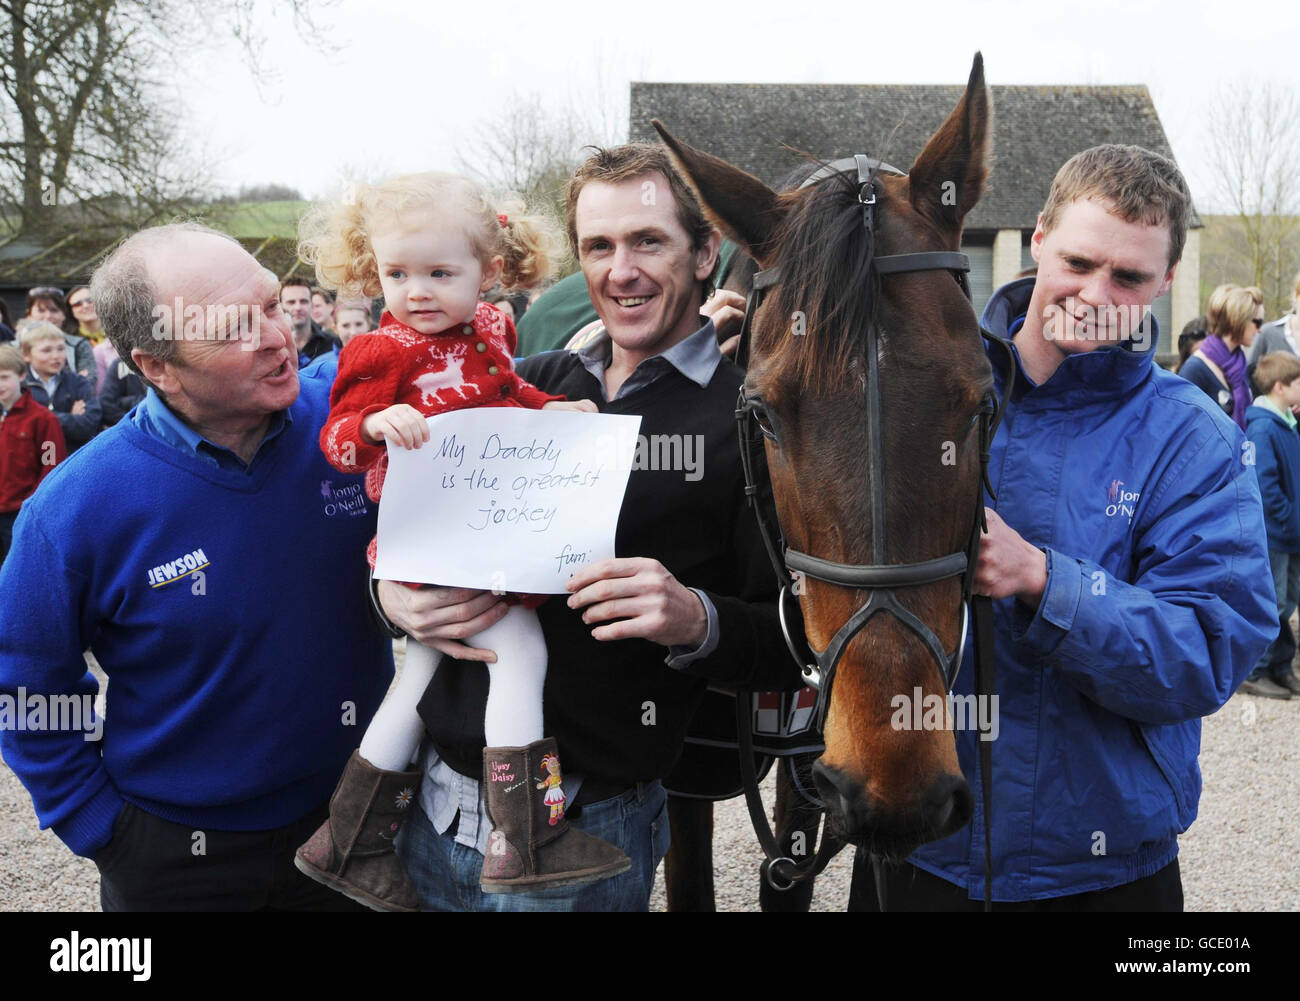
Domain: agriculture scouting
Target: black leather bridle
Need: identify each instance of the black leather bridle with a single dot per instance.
(881, 579)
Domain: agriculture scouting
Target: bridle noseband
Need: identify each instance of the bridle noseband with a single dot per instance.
(881, 579)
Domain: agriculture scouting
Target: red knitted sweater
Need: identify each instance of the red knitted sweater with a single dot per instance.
(468, 366)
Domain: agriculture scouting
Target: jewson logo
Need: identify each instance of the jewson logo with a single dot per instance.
(75, 954)
(208, 322)
(946, 712)
(173, 570)
(35, 712)
(1120, 501)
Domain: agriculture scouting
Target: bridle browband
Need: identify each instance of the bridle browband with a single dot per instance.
(881, 579)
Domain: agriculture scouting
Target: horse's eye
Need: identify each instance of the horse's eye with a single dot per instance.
(764, 421)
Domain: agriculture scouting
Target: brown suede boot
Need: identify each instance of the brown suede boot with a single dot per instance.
(352, 852)
(532, 846)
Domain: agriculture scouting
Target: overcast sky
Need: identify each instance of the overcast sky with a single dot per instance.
(408, 84)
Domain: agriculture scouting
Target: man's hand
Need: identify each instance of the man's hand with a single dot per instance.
(78, 408)
(652, 604)
(1009, 565)
(440, 616)
(400, 423)
(581, 406)
(726, 310)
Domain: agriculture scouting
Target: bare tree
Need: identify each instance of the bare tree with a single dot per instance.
(1253, 151)
(87, 125)
(532, 147)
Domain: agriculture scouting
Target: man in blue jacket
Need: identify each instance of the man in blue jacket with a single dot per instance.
(1127, 558)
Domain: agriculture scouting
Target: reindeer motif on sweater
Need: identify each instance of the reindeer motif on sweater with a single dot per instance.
(467, 366)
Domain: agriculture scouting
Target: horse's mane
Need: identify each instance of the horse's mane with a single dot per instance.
(827, 276)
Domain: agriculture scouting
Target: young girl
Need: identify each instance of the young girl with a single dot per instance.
(432, 244)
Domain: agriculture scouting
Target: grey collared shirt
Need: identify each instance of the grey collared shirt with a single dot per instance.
(444, 792)
(697, 357)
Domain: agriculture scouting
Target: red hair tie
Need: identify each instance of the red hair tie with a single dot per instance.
(502, 220)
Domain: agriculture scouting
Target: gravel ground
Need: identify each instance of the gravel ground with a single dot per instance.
(1249, 817)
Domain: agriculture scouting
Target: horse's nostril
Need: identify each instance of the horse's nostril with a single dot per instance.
(951, 802)
(832, 784)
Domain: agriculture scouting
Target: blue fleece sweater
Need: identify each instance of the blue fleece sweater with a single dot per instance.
(1277, 464)
(228, 608)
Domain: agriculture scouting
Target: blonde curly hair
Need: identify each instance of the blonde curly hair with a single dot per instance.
(334, 237)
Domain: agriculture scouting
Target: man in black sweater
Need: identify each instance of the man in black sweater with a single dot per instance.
(690, 598)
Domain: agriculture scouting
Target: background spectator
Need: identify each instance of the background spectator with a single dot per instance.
(69, 394)
(1193, 333)
(82, 305)
(350, 321)
(308, 337)
(122, 390)
(6, 323)
(322, 309)
(31, 442)
(1271, 427)
(1234, 315)
(1283, 334)
(46, 303)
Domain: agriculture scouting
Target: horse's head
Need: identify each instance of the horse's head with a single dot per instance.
(889, 784)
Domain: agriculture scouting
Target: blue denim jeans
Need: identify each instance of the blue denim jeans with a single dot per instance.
(446, 874)
(1275, 664)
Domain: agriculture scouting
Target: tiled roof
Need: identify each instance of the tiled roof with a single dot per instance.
(1036, 129)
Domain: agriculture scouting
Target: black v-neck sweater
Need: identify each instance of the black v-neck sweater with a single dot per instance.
(618, 711)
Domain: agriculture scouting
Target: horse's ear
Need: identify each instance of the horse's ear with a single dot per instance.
(743, 207)
(948, 177)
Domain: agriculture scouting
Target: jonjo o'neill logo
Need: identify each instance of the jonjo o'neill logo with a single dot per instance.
(344, 501)
(1120, 501)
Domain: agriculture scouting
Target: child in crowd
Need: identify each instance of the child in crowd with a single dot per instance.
(47, 303)
(54, 385)
(433, 244)
(31, 442)
(1271, 428)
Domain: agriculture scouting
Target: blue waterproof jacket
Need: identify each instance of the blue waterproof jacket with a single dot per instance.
(1277, 464)
(1159, 601)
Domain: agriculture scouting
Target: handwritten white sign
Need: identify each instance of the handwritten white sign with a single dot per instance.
(505, 499)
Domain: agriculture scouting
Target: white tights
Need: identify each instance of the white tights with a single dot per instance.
(514, 703)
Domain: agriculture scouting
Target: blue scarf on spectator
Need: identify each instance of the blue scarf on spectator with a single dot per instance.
(1233, 365)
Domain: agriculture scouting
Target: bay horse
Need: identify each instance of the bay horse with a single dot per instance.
(868, 378)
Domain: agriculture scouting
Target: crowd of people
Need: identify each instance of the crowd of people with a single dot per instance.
(1251, 369)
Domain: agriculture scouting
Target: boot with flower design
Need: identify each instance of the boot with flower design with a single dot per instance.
(352, 852)
(532, 846)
